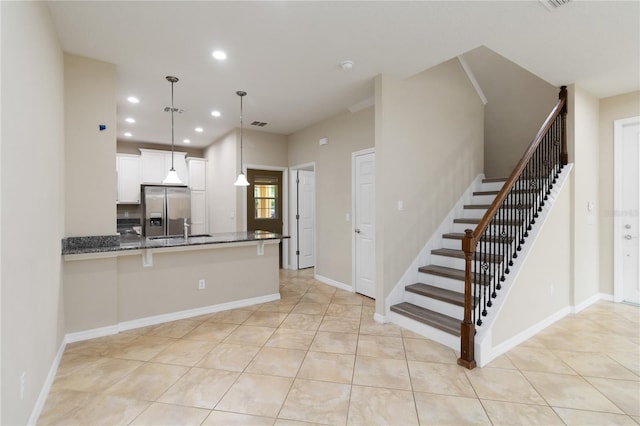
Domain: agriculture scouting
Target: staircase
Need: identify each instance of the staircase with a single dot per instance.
(438, 299)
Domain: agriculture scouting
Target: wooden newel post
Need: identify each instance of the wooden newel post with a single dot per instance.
(563, 116)
(467, 328)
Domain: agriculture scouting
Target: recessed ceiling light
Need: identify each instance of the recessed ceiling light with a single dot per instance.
(130, 120)
(133, 99)
(127, 134)
(219, 55)
(186, 141)
(199, 129)
(216, 113)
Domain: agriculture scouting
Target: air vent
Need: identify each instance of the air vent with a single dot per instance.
(178, 110)
(554, 4)
(259, 123)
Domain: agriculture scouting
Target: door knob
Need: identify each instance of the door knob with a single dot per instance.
(627, 226)
(627, 237)
(357, 231)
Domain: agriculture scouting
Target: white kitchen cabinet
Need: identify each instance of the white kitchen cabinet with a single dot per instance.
(198, 212)
(197, 173)
(128, 178)
(156, 165)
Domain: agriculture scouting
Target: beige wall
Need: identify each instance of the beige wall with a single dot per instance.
(32, 198)
(537, 292)
(583, 120)
(347, 132)
(611, 109)
(90, 155)
(518, 103)
(104, 292)
(429, 148)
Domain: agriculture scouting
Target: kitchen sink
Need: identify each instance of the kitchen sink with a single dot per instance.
(164, 237)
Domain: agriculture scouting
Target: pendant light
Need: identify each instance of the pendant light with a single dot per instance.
(242, 179)
(172, 177)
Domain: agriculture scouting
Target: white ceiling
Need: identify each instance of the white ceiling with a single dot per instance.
(286, 55)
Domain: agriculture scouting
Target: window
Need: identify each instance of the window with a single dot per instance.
(265, 194)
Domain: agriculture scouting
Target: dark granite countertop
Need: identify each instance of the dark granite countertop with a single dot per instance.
(111, 243)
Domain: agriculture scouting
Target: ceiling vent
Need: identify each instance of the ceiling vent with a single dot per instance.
(259, 123)
(554, 4)
(178, 110)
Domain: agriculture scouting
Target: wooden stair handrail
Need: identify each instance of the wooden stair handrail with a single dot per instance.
(472, 237)
(559, 108)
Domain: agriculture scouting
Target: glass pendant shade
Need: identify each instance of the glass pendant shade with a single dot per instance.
(172, 177)
(242, 180)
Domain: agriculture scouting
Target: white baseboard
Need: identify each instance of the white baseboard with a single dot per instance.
(91, 334)
(190, 313)
(334, 283)
(173, 316)
(524, 335)
(590, 301)
(46, 387)
(382, 319)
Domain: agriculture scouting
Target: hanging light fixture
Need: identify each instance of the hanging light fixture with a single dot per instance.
(242, 179)
(172, 177)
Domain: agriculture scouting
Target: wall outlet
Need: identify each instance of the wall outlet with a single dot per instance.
(201, 285)
(23, 378)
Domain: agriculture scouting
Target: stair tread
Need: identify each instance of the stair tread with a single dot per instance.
(459, 254)
(486, 206)
(444, 271)
(494, 179)
(433, 292)
(496, 192)
(426, 316)
(474, 220)
(460, 236)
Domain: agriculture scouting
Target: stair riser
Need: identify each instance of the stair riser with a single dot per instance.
(451, 262)
(491, 186)
(429, 332)
(473, 213)
(442, 282)
(482, 199)
(435, 305)
(452, 244)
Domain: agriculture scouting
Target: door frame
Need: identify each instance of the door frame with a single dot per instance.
(285, 205)
(353, 210)
(293, 197)
(618, 125)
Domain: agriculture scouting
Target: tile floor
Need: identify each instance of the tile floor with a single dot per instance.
(317, 357)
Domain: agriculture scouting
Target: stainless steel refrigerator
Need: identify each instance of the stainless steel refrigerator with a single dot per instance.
(164, 209)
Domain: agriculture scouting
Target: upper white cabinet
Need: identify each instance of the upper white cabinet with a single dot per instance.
(128, 175)
(197, 173)
(156, 165)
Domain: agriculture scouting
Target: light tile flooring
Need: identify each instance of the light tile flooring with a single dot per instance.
(317, 357)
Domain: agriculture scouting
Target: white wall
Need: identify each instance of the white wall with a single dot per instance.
(347, 132)
(90, 155)
(429, 148)
(611, 109)
(221, 173)
(518, 103)
(32, 198)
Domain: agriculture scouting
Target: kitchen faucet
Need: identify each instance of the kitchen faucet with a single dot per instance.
(186, 229)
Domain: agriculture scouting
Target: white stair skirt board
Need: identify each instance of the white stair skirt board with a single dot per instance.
(173, 316)
(334, 283)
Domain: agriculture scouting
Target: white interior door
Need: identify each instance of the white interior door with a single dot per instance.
(364, 224)
(306, 218)
(628, 222)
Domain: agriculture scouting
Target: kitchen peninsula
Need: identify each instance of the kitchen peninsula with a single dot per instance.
(114, 284)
